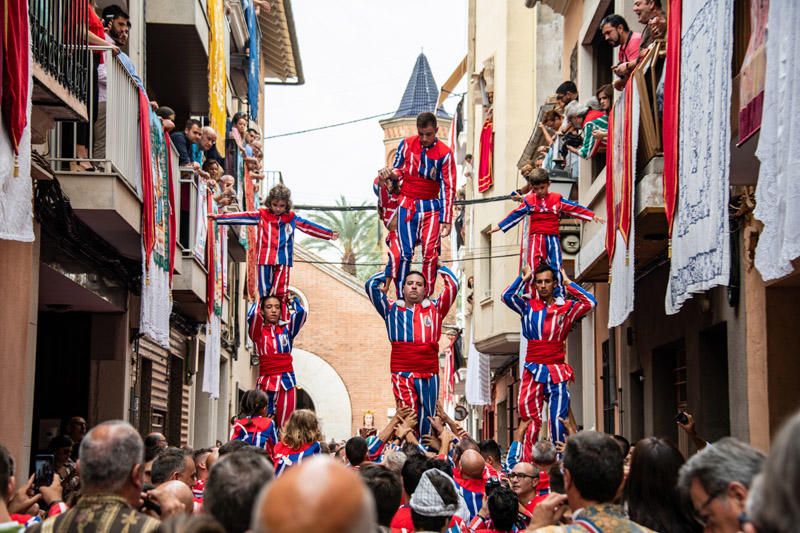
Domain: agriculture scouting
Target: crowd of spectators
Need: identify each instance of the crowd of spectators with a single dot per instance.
(393, 481)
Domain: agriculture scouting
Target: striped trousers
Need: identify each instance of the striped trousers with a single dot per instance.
(281, 402)
(418, 394)
(421, 228)
(532, 395)
(548, 247)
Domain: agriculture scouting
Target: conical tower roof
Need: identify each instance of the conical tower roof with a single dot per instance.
(421, 92)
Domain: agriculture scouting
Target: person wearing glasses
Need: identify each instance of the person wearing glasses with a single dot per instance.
(717, 480)
(523, 479)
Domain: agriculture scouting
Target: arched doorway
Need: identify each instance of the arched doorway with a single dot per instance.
(323, 389)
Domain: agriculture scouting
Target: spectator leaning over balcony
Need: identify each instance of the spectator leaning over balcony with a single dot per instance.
(595, 126)
(239, 130)
(208, 145)
(566, 93)
(618, 34)
(653, 16)
(167, 116)
(95, 35)
(185, 142)
(116, 23)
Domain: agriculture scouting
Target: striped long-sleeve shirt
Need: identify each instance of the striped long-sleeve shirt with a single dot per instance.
(258, 431)
(275, 232)
(552, 323)
(273, 342)
(545, 213)
(285, 456)
(416, 323)
(387, 202)
(413, 161)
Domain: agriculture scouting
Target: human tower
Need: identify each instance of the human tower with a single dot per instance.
(416, 196)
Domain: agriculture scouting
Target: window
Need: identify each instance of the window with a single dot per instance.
(484, 253)
(609, 384)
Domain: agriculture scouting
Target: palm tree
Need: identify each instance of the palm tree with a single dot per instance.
(358, 238)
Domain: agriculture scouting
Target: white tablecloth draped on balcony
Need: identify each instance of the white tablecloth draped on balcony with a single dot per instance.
(16, 190)
(478, 386)
(778, 191)
(621, 288)
(700, 240)
(212, 356)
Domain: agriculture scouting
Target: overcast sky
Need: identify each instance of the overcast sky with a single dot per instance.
(357, 57)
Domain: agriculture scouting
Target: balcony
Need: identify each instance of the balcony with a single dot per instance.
(191, 277)
(592, 263)
(108, 200)
(60, 61)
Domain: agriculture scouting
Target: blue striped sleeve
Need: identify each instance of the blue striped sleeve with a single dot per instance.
(297, 318)
(399, 157)
(512, 298)
(376, 295)
(312, 228)
(514, 217)
(242, 218)
(514, 455)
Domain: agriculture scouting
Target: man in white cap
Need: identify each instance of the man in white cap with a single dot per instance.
(434, 502)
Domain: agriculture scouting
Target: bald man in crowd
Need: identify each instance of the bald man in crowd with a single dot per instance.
(320, 495)
(181, 492)
(208, 145)
(471, 477)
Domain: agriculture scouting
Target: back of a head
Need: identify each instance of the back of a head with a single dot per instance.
(170, 461)
(503, 505)
(394, 461)
(556, 479)
(778, 508)
(472, 464)
(650, 491)
(544, 453)
(320, 495)
(434, 502)
(490, 449)
(232, 446)
(412, 471)
(253, 402)
(233, 486)
(567, 87)
(6, 471)
(594, 463)
(443, 465)
(302, 427)
(716, 466)
(181, 492)
(575, 109)
(107, 456)
(386, 490)
(356, 450)
(624, 444)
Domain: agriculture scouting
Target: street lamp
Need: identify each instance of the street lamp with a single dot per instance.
(562, 182)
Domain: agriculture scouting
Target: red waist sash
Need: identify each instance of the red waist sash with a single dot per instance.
(269, 365)
(415, 357)
(546, 352)
(544, 224)
(420, 188)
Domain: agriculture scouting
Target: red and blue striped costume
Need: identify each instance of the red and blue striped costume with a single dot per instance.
(471, 490)
(426, 199)
(543, 236)
(275, 250)
(258, 431)
(285, 456)
(387, 207)
(414, 333)
(273, 344)
(546, 371)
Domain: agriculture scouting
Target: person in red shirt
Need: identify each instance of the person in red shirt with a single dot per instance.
(499, 512)
(616, 33)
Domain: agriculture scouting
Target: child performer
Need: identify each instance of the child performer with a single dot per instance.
(273, 339)
(300, 440)
(252, 425)
(545, 209)
(276, 227)
(386, 189)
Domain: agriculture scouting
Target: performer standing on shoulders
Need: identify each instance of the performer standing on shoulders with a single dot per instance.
(427, 170)
(386, 189)
(414, 325)
(546, 324)
(273, 339)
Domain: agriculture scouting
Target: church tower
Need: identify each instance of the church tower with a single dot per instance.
(421, 95)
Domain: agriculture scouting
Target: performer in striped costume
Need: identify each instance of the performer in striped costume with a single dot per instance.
(276, 228)
(300, 440)
(414, 325)
(546, 324)
(273, 339)
(545, 208)
(427, 170)
(388, 200)
(252, 425)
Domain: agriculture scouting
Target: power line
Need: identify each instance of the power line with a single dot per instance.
(345, 123)
(339, 263)
(368, 207)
